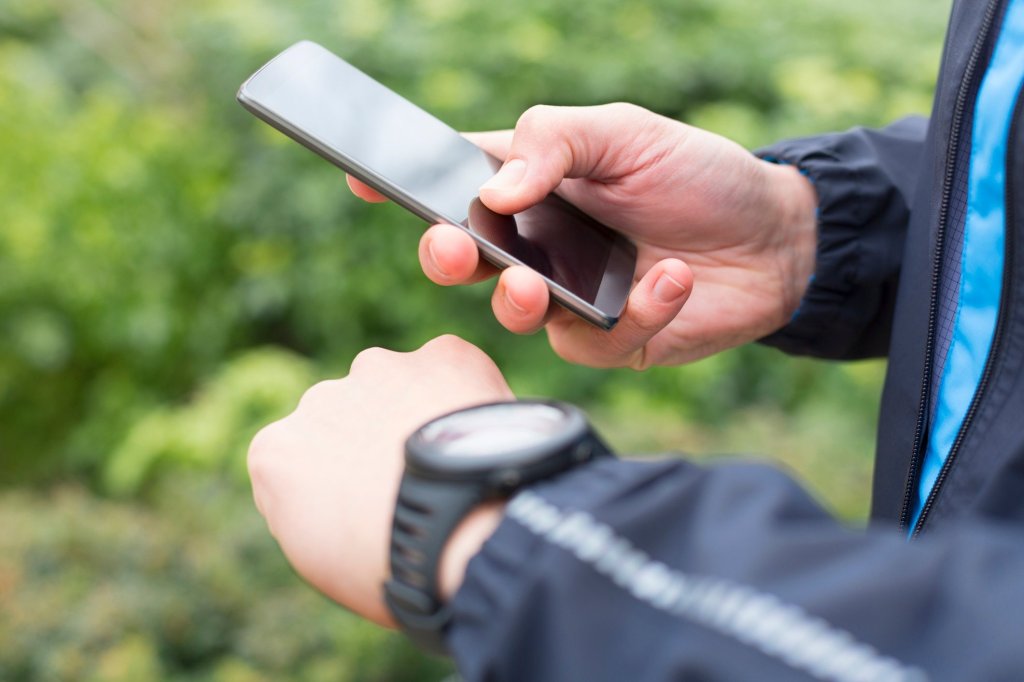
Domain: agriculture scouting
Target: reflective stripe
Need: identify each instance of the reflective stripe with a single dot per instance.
(753, 618)
(983, 249)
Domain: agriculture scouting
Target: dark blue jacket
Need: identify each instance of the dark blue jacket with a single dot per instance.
(666, 570)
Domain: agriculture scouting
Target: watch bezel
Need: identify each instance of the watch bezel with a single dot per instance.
(540, 459)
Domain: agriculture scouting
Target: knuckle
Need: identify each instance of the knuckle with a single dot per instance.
(452, 351)
(624, 108)
(446, 343)
(535, 117)
(265, 449)
(369, 357)
(318, 392)
(450, 340)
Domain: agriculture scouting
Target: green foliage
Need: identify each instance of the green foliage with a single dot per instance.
(191, 589)
(173, 273)
(210, 431)
(152, 228)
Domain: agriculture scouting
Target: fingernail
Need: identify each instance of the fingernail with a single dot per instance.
(512, 302)
(507, 177)
(434, 261)
(667, 289)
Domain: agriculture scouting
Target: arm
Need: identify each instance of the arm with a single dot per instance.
(665, 570)
(671, 571)
(864, 180)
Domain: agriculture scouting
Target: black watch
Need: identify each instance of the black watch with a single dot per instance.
(454, 463)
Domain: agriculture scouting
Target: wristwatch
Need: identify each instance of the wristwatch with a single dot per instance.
(454, 463)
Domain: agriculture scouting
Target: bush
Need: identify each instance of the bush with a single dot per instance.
(154, 230)
(192, 588)
(212, 431)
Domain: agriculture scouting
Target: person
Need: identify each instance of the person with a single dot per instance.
(900, 241)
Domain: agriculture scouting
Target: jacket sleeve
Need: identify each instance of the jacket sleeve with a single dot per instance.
(663, 570)
(865, 180)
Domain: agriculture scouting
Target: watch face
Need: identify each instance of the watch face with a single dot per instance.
(491, 431)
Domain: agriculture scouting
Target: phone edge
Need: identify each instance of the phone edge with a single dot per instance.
(499, 259)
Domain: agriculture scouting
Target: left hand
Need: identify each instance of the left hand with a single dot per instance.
(326, 476)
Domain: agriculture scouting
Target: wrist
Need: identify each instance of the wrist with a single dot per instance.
(796, 230)
(483, 452)
(464, 543)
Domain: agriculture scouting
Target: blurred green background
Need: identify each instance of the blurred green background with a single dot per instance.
(173, 274)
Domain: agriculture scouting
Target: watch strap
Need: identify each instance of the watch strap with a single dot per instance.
(426, 513)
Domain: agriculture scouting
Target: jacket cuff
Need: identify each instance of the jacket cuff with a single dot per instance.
(494, 583)
(488, 614)
(841, 216)
(864, 179)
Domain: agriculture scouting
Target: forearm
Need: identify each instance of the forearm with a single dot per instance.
(634, 570)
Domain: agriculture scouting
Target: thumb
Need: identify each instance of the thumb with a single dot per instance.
(553, 143)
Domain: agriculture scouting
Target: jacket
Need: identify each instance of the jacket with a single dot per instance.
(637, 570)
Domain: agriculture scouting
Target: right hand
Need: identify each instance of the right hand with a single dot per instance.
(717, 229)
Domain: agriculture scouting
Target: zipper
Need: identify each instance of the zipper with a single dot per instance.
(947, 191)
(1004, 306)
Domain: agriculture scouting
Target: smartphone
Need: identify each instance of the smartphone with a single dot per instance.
(424, 165)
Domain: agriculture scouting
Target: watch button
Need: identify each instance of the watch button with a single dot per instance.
(508, 479)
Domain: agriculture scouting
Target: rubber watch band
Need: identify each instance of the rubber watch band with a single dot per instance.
(425, 515)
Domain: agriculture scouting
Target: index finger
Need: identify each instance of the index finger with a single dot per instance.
(450, 256)
(364, 191)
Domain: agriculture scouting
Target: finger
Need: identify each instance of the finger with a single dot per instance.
(364, 191)
(449, 256)
(654, 303)
(494, 142)
(520, 301)
(553, 143)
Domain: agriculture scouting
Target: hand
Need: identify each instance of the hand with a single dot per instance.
(326, 476)
(729, 235)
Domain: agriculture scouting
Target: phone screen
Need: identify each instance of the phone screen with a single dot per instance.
(423, 164)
